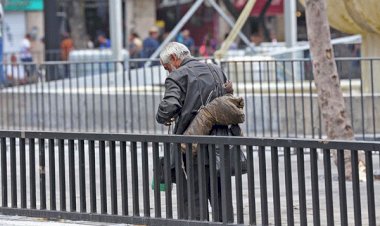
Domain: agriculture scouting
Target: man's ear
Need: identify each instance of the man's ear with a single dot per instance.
(173, 57)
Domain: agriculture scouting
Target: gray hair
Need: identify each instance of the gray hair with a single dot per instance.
(174, 48)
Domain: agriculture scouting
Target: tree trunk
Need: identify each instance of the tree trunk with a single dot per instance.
(326, 78)
(76, 15)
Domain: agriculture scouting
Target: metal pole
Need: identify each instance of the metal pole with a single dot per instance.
(290, 23)
(176, 29)
(230, 22)
(116, 26)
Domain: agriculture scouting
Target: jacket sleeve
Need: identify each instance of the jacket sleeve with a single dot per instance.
(171, 104)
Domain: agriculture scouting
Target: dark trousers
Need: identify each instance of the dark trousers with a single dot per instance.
(217, 209)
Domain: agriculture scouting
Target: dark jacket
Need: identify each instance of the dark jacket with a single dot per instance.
(183, 89)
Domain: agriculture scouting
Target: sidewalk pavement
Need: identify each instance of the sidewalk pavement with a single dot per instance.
(30, 221)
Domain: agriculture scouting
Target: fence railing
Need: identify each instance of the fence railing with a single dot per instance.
(106, 96)
(107, 177)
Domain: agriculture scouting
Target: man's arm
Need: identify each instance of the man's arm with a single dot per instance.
(171, 104)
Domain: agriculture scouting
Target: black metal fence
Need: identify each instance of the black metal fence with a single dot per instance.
(107, 177)
(104, 96)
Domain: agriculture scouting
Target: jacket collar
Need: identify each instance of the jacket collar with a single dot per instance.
(187, 60)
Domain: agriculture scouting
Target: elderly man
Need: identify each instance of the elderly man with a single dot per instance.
(187, 87)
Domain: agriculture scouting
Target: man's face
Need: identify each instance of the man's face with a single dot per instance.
(173, 64)
(168, 66)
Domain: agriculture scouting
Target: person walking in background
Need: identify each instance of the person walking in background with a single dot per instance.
(26, 54)
(104, 43)
(187, 40)
(208, 46)
(151, 43)
(67, 45)
(135, 45)
(134, 48)
(14, 72)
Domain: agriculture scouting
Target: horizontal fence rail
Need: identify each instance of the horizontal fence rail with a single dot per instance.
(109, 96)
(110, 178)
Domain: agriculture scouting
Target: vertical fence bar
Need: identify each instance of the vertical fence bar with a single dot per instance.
(32, 163)
(190, 183)
(71, 102)
(214, 185)
(72, 176)
(261, 98)
(123, 175)
(285, 98)
(263, 186)
(93, 97)
(342, 188)
(131, 106)
(103, 176)
(373, 101)
(245, 75)
(145, 179)
(253, 100)
(22, 173)
(145, 101)
(328, 187)
(251, 186)
(315, 186)
(62, 181)
(276, 186)
(117, 69)
(41, 146)
(294, 100)
(311, 105)
(52, 175)
(92, 169)
(156, 179)
(168, 181)
(202, 183)
(108, 96)
(4, 174)
(356, 188)
(301, 185)
(277, 101)
(302, 100)
(125, 66)
(87, 114)
(238, 184)
(78, 95)
(179, 182)
(101, 94)
(13, 172)
(370, 189)
(288, 186)
(113, 178)
(82, 176)
(135, 180)
(269, 101)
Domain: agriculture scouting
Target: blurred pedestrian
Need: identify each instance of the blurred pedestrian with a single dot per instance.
(208, 46)
(14, 72)
(26, 55)
(67, 44)
(135, 47)
(26, 49)
(104, 43)
(151, 43)
(187, 40)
